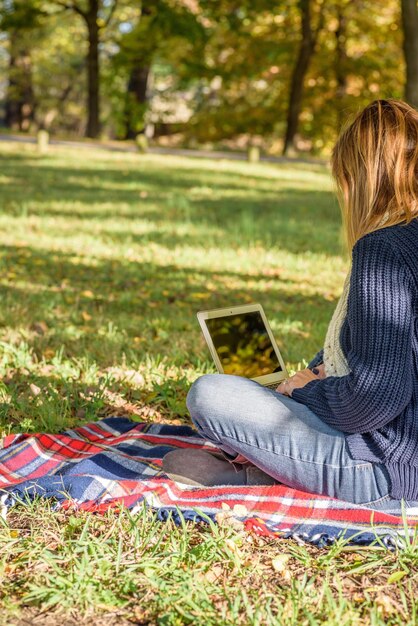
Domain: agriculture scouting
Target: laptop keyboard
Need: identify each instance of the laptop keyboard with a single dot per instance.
(273, 386)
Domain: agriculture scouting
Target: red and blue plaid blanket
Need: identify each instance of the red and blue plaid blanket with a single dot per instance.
(116, 462)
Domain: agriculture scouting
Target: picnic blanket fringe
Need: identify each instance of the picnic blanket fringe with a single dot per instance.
(117, 463)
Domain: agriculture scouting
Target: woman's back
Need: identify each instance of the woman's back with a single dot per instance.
(377, 402)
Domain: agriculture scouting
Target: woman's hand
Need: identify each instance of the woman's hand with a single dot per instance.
(319, 370)
(300, 379)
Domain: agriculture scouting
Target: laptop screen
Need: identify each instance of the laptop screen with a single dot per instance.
(243, 345)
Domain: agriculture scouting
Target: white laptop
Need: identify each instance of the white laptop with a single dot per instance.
(241, 342)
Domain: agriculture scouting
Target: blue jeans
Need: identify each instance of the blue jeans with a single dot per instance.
(286, 440)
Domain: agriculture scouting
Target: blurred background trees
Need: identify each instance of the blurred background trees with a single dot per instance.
(282, 74)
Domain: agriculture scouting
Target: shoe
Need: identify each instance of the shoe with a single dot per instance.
(203, 469)
(238, 458)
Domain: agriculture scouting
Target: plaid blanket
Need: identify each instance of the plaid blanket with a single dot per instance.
(116, 462)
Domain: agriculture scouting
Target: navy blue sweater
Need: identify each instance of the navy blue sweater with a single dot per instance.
(376, 405)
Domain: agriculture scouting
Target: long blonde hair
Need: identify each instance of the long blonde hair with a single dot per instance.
(375, 165)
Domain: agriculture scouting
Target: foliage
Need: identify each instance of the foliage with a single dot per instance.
(218, 71)
(60, 103)
(251, 52)
(164, 32)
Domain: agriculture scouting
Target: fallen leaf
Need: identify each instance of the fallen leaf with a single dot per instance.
(232, 545)
(240, 510)
(86, 316)
(386, 604)
(48, 353)
(396, 577)
(213, 573)
(357, 597)
(150, 396)
(279, 562)
(35, 390)
(40, 327)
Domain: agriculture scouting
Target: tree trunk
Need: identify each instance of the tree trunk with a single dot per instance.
(136, 100)
(341, 64)
(93, 71)
(136, 92)
(20, 100)
(410, 48)
(306, 50)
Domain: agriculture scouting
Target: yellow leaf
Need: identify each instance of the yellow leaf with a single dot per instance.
(199, 296)
(396, 577)
(230, 543)
(86, 316)
(150, 396)
(87, 293)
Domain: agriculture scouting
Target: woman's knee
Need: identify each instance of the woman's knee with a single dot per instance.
(200, 394)
(209, 395)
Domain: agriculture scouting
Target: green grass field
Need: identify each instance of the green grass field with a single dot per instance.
(105, 259)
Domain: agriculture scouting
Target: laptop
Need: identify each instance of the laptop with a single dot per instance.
(241, 342)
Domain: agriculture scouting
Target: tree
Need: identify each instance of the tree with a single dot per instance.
(21, 20)
(341, 58)
(224, 71)
(96, 15)
(306, 50)
(135, 54)
(357, 59)
(241, 76)
(410, 48)
(167, 30)
(58, 76)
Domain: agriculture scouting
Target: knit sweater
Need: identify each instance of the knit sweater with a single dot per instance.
(333, 356)
(376, 403)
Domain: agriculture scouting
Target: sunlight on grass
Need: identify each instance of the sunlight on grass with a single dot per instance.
(109, 257)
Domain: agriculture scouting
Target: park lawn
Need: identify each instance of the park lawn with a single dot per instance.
(105, 258)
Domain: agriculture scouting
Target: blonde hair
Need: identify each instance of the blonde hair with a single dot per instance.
(375, 165)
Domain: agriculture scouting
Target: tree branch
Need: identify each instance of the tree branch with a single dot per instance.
(321, 20)
(71, 6)
(111, 12)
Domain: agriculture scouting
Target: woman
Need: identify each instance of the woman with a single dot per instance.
(347, 426)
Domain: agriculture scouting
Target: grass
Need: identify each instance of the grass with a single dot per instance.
(105, 258)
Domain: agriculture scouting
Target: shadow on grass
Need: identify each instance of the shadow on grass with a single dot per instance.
(87, 313)
(45, 400)
(272, 212)
(101, 310)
